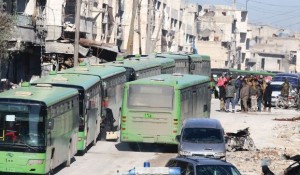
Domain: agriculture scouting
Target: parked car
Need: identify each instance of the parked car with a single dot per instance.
(202, 166)
(293, 78)
(276, 91)
(202, 137)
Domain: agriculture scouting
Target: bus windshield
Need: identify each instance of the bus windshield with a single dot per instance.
(21, 124)
(150, 96)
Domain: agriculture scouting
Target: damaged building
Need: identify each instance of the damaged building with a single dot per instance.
(45, 34)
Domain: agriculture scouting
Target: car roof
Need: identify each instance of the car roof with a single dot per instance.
(202, 161)
(201, 123)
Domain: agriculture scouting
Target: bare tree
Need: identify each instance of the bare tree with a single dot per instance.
(7, 23)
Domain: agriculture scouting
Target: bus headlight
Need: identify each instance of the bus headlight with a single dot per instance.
(35, 162)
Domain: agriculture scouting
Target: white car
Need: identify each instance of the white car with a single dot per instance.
(276, 90)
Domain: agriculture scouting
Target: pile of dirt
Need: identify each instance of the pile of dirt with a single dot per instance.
(286, 137)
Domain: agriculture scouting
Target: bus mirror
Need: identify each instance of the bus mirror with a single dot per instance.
(192, 66)
(51, 124)
(177, 138)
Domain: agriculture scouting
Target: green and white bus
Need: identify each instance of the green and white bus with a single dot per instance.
(167, 64)
(89, 89)
(38, 128)
(137, 69)
(113, 79)
(153, 108)
(189, 63)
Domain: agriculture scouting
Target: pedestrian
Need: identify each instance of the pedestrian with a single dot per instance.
(253, 96)
(230, 90)
(285, 89)
(238, 86)
(268, 96)
(222, 93)
(244, 95)
(259, 96)
(212, 85)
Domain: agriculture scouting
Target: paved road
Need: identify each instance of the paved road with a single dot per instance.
(107, 157)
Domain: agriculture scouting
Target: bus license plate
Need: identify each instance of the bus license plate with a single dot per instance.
(148, 115)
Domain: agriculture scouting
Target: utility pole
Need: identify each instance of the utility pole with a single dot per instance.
(149, 27)
(139, 27)
(131, 30)
(77, 31)
(159, 28)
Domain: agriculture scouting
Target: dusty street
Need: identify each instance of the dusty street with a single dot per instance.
(272, 138)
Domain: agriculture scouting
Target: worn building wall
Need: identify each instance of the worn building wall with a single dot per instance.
(228, 27)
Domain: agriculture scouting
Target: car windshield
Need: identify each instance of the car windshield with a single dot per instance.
(21, 124)
(205, 135)
(216, 170)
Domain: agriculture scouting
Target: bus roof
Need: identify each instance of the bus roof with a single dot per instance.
(164, 62)
(135, 64)
(179, 81)
(46, 94)
(172, 56)
(76, 80)
(177, 56)
(100, 70)
(248, 72)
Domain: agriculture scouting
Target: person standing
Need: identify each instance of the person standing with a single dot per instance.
(253, 96)
(259, 96)
(222, 93)
(238, 86)
(230, 89)
(268, 96)
(285, 89)
(244, 95)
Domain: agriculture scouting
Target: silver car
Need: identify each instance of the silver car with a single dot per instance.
(202, 137)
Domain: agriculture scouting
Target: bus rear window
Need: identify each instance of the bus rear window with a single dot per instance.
(150, 96)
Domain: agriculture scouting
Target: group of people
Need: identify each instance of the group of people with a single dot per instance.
(254, 93)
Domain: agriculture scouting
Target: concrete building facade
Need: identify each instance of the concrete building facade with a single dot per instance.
(273, 49)
(223, 36)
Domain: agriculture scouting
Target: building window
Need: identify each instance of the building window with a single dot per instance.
(263, 63)
(278, 63)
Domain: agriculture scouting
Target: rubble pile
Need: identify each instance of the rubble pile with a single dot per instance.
(286, 138)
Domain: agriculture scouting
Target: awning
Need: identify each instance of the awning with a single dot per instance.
(64, 48)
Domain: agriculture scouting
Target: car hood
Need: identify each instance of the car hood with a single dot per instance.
(203, 148)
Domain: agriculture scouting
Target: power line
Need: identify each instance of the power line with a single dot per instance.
(274, 5)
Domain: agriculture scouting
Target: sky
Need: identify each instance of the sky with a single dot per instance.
(283, 14)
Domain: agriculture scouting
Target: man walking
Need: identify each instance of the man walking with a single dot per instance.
(244, 95)
(268, 96)
(230, 96)
(285, 89)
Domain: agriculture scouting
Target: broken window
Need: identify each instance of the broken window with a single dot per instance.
(21, 5)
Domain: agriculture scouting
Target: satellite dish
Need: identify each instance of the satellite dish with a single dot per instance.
(205, 33)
